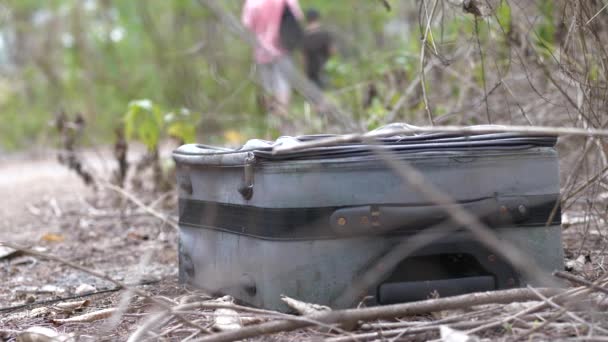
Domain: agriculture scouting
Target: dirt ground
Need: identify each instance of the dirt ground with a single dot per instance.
(46, 207)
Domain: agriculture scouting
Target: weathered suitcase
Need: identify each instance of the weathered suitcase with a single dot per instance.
(309, 223)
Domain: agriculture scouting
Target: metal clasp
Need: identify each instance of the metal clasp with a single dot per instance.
(246, 188)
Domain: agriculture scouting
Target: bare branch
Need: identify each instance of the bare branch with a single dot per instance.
(139, 203)
(427, 106)
(465, 130)
(380, 312)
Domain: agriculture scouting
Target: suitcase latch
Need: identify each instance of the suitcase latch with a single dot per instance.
(246, 187)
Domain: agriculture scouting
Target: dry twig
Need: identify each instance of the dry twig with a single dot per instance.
(304, 308)
(388, 311)
(464, 130)
(425, 36)
(88, 317)
(580, 281)
(139, 203)
(135, 290)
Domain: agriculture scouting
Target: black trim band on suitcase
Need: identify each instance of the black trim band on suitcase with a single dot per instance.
(340, 222)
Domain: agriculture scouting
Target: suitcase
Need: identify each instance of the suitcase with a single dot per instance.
(310, 223)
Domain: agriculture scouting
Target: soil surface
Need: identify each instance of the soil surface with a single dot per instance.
(27, 182)
(46, 207)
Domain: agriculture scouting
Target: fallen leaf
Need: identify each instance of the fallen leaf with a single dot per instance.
(133, 235)
(88, 317)
(24, 260)
(42, 334)
(304, 308)
(55, 207)
(71, 306)
(224, 299)
(576, 265)
(50, 289)
(7, 253)
(450, 335)
(83, 289)
(33, 210)
(226, 320)
(51, 237)
(39, 312)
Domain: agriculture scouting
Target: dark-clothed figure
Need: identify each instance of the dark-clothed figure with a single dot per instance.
(317, 48)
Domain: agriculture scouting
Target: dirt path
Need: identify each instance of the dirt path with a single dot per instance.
(28, 182)
(46, 206)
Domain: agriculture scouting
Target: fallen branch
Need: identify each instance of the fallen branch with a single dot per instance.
(154, 321)
(161, 318)
(580, 281)
(382, 312)
(72, 306)
(402, 331)
(190, 308)
(544, 324)
(389, 329)
(88, 317)
(465, 130)
(62, 299)
(304, 308)
(571, 294)
(567, 312)
(135, 290)
(474, 315)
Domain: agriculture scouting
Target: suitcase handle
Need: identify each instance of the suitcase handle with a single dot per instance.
(383, 218)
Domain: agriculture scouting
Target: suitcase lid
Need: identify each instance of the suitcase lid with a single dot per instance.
(400, 144)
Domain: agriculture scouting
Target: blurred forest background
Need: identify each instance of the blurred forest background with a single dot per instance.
(522, 62)
(76, 75)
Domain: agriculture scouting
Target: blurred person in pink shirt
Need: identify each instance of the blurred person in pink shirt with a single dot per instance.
(263, 19)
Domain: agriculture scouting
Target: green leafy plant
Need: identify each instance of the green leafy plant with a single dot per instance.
(145, 122)
(179, 125)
